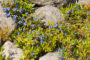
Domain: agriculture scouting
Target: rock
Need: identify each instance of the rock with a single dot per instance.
(49, 14)
(12, 51)
(6, 22)
(7, 25)
(51, 2)
(50, 56)
(83, 1)
(48, 2)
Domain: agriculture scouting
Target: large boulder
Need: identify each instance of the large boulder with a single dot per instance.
(51, 56)
(11, 51)
(6, 23)
(51, 2)
(49, 14)
(83, 1)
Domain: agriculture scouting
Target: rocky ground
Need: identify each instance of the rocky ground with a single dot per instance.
(47, 11)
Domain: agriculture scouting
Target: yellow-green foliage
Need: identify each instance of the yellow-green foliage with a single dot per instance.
(4, 34)
(71, 37)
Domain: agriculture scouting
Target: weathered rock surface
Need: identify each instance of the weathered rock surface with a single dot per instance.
(50, 56)
(48, 14)
(51, 2)
(12, 51)
(83, 1)
(6, 22)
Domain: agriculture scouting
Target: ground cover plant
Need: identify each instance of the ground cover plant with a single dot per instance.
(70, 37)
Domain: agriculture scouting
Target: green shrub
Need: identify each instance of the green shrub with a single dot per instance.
(71, 36)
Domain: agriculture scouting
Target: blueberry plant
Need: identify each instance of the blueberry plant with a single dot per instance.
(70, 37)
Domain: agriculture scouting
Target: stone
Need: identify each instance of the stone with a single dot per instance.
(6, 23)
(51, 2)
(10, 50)
(48, 14)
(50, 56)
(83, 1)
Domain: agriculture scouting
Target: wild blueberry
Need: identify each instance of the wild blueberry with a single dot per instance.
(76, 6)
(88, 13)
(21, 11)
(37, 33)
(32, 54)
(23, 29)
(14, 10)
(32, 26)
(49, 27)
(22, 18)
(15, 18)
(78, 10)
(72, 11)
(26, 19)
(1, 4)
(56, 22)
(37, 45)
(18, 33)
(50, 41)
(38, 24)
(25, 24)
(59, 50)
(17, 4)
(69, 12)
(8, 14)
(20, 22)
(72, 0)
(20, 28)
(29, 32)
(43, 36)
(75, 34)
(42, 41)
(33, 31)
(55, 25)
(36, 19)
(13, 2)
(10, 0)
(87, 25)
(34, 41)
(17, 8)
(60, 57)
(8, 8)
(65, 33)
(5, 9)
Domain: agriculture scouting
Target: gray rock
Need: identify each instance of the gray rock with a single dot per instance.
(51, 2)
(6, 22)
(49, 14)
(48, 2)
(50, 56)
(83, 1)
(10, 50)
